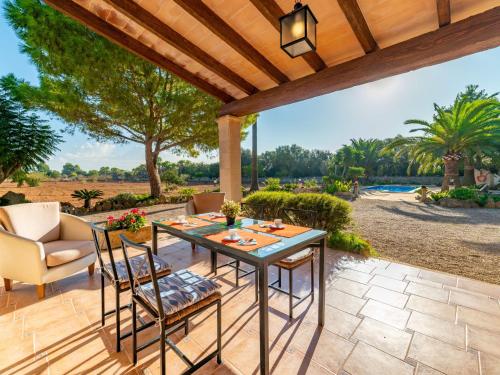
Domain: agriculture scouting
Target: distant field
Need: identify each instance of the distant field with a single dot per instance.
(61, 190)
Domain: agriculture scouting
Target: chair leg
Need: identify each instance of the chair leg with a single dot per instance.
(91, 269)
(312, 279)
(237, 273)
(186, 327)
(193, 246)
(103, 307)
(219, 333)
(7, 284)
(134, 332)
(40, 290)
(290, 293)
(162, 348)
(117, 314)
(279, 276)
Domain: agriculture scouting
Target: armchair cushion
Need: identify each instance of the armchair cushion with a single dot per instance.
(34, 221)
(62, 252)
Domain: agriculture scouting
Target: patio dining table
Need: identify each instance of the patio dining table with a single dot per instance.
(260, 257)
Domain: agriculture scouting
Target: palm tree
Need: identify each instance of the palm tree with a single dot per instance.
(467, 128)
(87, 196)
(369, 149)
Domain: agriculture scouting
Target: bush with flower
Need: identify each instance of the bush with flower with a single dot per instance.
(131, 221)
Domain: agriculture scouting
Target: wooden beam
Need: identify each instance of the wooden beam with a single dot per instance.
(150, 22)
(358, 24)
(444, 12)
(117, 36)
(219, 27)
(272, 12)
(477, 33)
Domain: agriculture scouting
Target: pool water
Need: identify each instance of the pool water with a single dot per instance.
(393, 188)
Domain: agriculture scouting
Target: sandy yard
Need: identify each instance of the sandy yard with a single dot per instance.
(459, 241)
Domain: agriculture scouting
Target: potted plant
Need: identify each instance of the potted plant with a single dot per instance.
(231, 209)
(132, 224)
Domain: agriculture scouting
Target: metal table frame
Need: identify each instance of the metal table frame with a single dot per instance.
(262, 265)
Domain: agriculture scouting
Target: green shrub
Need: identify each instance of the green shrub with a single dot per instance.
(333, 213)
(337, 186)
(311, 184)
(272, 184)
(355, 172)
(186, 193)
(439, 195)
(463, 193)
(290, 186)
(350, 242)
(32, 181)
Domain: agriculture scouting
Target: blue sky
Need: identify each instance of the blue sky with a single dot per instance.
(374, 110)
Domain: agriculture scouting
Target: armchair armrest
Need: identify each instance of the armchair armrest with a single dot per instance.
(74, 228)
(190, 208)
(21, 259)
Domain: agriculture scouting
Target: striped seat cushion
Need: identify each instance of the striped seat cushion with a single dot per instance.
(296, 259)
(140, 268)
(179, 291)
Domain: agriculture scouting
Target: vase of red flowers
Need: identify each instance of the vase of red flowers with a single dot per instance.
(132, 223)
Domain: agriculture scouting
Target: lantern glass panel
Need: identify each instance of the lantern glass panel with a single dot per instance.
(298, 32)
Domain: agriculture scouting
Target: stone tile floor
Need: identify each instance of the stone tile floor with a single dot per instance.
(381, 318)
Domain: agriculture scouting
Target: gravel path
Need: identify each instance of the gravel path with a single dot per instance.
(459, 241)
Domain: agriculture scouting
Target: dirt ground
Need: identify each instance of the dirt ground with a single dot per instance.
(61, 190)
(459, 241)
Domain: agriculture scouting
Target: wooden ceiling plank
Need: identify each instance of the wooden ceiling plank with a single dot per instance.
(272, 12)
(150, 22)
(110, 32)
(219, 27)
(444, 12)
(474, 34)
(355, 17)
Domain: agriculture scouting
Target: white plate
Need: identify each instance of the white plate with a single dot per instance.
(272, 226)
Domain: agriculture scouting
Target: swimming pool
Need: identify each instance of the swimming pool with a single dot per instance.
(393, 188)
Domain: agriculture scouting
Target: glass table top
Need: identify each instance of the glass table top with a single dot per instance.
(243, 224)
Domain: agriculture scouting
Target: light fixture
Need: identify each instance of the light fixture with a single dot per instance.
(298, 31)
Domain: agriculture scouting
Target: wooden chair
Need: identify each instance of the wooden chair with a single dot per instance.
(291, 263)
(170, 302)
(116, 274)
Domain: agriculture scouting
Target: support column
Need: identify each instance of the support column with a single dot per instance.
(230, 156)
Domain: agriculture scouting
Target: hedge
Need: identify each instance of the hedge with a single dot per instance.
(333, 213)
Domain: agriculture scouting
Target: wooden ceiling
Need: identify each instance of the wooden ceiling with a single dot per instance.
(230, 48)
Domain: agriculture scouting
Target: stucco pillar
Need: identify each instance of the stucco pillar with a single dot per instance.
(230, 156)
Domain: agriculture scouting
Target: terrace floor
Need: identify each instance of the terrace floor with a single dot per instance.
(381, 318)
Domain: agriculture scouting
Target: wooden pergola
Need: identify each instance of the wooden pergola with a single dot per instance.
(231, 48)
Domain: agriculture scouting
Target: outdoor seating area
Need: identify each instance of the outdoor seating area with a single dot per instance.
(380, 317)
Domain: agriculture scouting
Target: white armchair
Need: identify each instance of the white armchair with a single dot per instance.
(39, 245)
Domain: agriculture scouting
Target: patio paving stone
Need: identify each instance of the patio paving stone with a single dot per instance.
(478, 318)
(439, 329)
(344, 301)
(367, 360)
(437, 294)
(387, 296)
(384, 337)
(443, 357)
(352, 287)
(481, 303)
(490, 365)
(386, 314)
(431, 307)
(388, 283)
(483, 340)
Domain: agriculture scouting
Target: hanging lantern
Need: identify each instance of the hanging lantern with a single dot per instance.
(298, 31)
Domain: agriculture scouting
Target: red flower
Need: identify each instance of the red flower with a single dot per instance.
(111, 218)
(135, 210)
(143, 213)
(132, 221)
(122, 218)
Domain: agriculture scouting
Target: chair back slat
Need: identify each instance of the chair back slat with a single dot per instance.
(96, 230)
(135, 278)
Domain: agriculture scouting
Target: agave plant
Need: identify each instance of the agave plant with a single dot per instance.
(87, 196)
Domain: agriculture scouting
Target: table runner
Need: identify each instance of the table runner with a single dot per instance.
(261, 240)
(288, 230)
